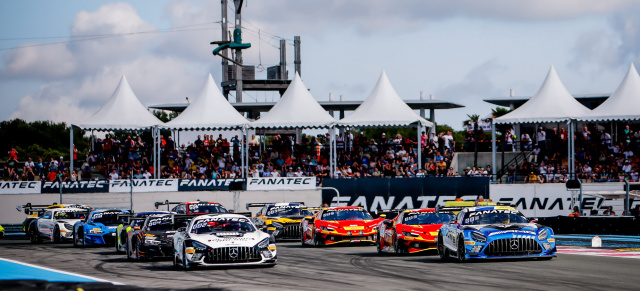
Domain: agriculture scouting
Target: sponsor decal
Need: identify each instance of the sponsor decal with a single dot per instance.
(353, 227)
(515, 232)
(469, 243)
(20, 187)
(281, 183)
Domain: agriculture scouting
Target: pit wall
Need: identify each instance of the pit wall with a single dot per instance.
(235, 200)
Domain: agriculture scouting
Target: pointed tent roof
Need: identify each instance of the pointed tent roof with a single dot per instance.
(552, 103)
(123, 111)
(210, 110)
(623, 104)
(296, 109)
(383, 107)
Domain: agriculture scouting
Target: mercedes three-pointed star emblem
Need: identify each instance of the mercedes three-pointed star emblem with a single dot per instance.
(233, 253)
(514, 244)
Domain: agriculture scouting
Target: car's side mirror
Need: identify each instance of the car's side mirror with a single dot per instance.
(309, 218)
(181, 229)
(387, 222)
(533, 220)
(136, 227)
(383, 215)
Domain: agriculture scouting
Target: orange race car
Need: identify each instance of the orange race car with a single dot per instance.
(411, 231)
(339, 225)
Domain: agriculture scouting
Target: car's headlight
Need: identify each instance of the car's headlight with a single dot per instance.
(277, 224)
(478, 236)
(543, 234)
(198, 246)
(412, 234)
(68, 226)
(327, 228)
(263, 244)
(151, 240)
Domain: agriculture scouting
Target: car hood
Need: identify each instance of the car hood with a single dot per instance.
(515, 228)
(230, 238)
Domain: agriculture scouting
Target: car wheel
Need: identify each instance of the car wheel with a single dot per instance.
(175, 259)
(185, 263)
(316, 241)
(302, 239)
(129, 257)
(462, 251)
(397, 247)
(379, 244)
(56, 235)
(443, 252)
(33, 235)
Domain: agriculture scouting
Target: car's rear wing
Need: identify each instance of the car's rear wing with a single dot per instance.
(454, 209)
(263, 204)
(166, 202)
(31, 208)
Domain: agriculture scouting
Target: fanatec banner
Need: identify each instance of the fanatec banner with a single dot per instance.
(143, 185)
(281, 183)
(20, 187)
(399, 193)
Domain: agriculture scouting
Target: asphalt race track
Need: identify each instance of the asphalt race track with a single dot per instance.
(339, 268)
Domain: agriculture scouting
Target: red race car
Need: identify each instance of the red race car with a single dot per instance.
(411, 231)
(339, 225)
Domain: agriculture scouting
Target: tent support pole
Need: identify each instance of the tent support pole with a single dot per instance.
(493, 151)
(242, 153)
(70, 151)
(330, 153)
(153, 136)
(418, 128)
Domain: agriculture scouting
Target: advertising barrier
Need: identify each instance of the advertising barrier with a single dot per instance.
(207, 184)
(397, 193)
(281, 183)
(100, 186)
(20, 187)
(143, 185)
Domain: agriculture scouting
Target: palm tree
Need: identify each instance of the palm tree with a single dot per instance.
(473, 120)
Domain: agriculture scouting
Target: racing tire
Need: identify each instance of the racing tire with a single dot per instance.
(443, 252)
(175, 259)
(461, 251)
(302, 239)
(33, 235)
(56, 235)
(76, 238)
(129, 256)
(397, 248)
(316, 241)
(185, 263)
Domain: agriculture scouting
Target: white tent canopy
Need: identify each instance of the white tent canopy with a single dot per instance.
(623, 104)
(552, 103)
(383, 107)
(296, 109)
(123, 111)
(210, 110)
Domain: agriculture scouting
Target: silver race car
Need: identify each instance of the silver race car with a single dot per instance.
(222, 240)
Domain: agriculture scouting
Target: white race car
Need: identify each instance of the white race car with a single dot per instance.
(222, 240)
(56, 224)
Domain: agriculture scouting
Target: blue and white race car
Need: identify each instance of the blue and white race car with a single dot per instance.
(494, 232)
(99, 228)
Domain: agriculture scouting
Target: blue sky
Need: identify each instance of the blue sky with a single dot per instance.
(461, 51)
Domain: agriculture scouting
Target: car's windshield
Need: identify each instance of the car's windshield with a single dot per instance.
(206, 208)
(107, 217)
(62, 214)
(159, 223)
(493, 216)
(346, 214)
(222, 224)
(418, 218)
(288, 211)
